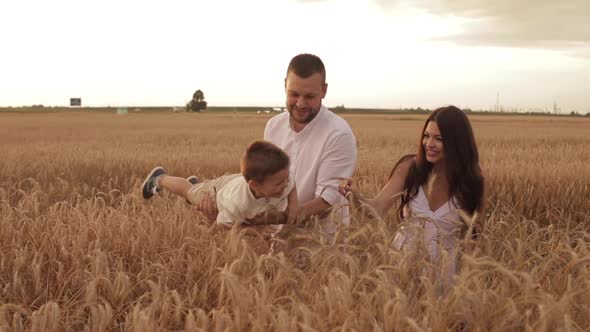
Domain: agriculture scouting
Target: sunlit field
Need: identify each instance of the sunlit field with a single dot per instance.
(80, 250)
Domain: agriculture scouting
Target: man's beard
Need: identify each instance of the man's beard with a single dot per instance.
(311, 114)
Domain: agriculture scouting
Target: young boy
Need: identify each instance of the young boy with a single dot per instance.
(264, 184)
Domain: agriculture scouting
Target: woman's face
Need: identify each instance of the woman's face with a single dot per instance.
(433, 143)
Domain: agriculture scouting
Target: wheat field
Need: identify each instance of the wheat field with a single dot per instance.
(82, 251)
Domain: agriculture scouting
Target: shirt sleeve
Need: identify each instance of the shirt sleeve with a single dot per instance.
(339, 161)
(267, 130)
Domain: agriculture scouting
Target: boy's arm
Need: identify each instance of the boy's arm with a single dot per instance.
(293, 207)
(208, 206)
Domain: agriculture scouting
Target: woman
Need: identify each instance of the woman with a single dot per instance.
(443, 178)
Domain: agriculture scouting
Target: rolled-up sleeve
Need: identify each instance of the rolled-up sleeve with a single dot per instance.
(338, 161)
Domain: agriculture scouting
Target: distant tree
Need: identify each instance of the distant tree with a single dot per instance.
(198, 95)
(198, 102)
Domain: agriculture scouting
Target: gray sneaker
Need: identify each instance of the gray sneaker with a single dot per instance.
(149, 188)
(193, 179)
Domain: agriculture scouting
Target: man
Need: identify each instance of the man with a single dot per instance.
(320, 144)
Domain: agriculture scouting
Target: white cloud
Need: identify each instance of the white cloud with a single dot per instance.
(525, 23)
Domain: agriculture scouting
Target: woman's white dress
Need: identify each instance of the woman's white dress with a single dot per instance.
(435, 231)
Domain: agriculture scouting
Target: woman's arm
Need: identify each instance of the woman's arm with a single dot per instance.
(388, 195)
(392, 191)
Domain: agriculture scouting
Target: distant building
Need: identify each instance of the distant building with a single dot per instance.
(76, 102)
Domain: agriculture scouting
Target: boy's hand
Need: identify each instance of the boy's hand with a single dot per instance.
(208, 206)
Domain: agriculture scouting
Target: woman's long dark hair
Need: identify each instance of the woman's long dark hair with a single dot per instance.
(460, 157)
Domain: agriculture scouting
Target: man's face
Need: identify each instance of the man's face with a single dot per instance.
(304, 96)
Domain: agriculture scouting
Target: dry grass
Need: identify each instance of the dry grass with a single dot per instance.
(81, 250)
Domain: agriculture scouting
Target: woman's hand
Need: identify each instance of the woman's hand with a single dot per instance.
(348, 187)
(349, 190)
(345, 184)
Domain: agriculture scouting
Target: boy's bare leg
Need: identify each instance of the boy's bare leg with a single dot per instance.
(177, 185)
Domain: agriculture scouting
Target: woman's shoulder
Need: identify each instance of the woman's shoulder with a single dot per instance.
(407, 161)
(403, 165)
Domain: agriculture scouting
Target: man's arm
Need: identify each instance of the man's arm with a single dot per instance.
(315, 207)
(338, 161)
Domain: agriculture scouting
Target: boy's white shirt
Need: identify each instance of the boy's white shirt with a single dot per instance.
(236, 203)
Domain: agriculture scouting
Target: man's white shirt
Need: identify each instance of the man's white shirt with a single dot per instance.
(322, 152)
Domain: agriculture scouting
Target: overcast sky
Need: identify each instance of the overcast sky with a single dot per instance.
(377, 53)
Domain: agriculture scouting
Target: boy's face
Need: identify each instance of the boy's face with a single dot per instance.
(273, 185)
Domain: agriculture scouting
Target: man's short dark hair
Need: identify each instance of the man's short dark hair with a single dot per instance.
(304, 65)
